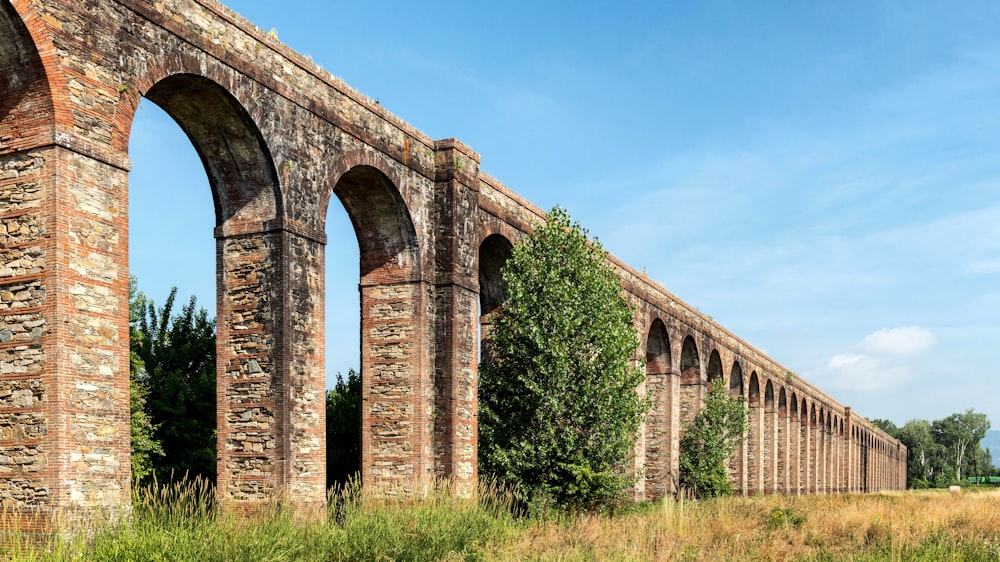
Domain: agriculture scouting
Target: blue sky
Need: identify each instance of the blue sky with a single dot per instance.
(822, 178)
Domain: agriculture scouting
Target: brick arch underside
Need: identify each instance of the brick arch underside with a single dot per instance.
(241, 173)
(26, 106)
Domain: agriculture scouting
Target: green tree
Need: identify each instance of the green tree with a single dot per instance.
(178, 352)
(343, 429)
(559, 411)
(145, 447)
(886, 426)
(959, 435)
(924, 464)
(709, 441)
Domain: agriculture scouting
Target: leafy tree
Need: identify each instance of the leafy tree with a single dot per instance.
(709, 441)
(559, 411)
(959, 435)
(924, 463)
(343, 428)
(178, 352)
(145, 448)
(886, 426)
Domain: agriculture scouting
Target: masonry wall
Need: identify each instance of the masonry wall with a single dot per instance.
(281, 139)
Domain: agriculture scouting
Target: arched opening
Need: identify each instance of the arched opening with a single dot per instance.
(390, 310)
(736, 389)
(714, 370)
(658, 460)
(178, 366)
(342, 311)
(691, 381)
(188, 378)
(26, 96)
(755, 430)
(493, 254)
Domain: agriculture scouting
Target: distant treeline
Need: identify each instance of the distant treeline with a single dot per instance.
(946, 451)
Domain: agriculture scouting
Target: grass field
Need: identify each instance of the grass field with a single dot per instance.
(179, 524)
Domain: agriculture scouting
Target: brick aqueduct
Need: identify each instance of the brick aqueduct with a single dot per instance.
(279, 138)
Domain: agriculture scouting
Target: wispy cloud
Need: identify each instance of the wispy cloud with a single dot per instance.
(882, 359)
(896, 342)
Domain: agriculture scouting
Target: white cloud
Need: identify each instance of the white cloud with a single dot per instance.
(907, 340)
(882, 359)
(845, 360)
(861, 372)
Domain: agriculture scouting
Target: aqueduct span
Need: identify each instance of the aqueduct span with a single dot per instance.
(279, 137)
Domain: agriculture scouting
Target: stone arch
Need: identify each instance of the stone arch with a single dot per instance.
(387, 238)
(25, 95)
(251, 372)
(714, 370)
(736, 388)
(753, 392)
(659, 427)
(241, 172)
(690, 362)
(494, 252)
(393, 333)
(691, 381)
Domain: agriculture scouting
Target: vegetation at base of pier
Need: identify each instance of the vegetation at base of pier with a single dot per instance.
(182, 522)
(708, 443)
(559, 413)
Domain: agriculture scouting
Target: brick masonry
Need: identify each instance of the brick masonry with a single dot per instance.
(280, 139)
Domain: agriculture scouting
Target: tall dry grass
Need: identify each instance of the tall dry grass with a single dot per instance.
(929, 525)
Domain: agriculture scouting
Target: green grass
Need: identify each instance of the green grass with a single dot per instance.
(183, 522)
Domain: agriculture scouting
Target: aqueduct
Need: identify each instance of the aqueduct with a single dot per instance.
(279, 138)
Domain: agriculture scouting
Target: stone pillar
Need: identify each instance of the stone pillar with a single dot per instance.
(456, 359)
(768, 452)
(795, 454)
(64, 388)
(804, 456)
(755, 451)
(270, 368)
(815, 471)
(781, 449)
(658, 439)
